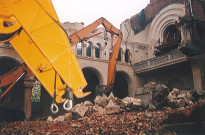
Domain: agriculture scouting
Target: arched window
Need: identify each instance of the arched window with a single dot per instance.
(171, 34)
(97, 51)
(79, 48)
(88, 49)
(127, 55)
(120, 55)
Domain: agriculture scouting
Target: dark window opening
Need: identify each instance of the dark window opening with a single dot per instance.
(79, 49)
(88, 50)
(127, 55)
(171, 39)
(97, 51)
(119, 55)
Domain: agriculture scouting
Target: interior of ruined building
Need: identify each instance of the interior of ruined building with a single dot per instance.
(170, 40)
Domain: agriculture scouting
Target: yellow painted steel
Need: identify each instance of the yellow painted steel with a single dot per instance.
(45, 48)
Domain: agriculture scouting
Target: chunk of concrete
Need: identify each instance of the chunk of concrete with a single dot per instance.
(49, 119)
(98, 108)
(88, 103)
(111, 97)
(131, 100)
(101, 100)
(112, 108)
(68, 116)
(80, 110)
(180, 103)
(150, 86)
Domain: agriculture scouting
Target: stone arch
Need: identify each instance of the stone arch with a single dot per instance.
(8, 51)
(176, 83)
(97, 50)
(122, 84)
(165, 17)
(7, 63)
(93, 78)
(89, 49)
(16, 94)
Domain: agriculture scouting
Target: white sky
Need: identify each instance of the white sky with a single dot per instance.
(87, 11)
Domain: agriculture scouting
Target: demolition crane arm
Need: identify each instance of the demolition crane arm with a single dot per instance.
(13, 76)
(81, 36)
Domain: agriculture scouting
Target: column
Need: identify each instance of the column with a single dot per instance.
(101, 52)
(84, 44)
(122, 56)
(75, 49)
(195, 65)
(28, 83)
(93, 51)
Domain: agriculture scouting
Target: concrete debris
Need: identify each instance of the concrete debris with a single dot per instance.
(113, 117)
(101, 100)
(112, 108)
(153, 93)
(59, 119)
(50, 119)
(111, 97)
(164, 99)
(150, 86)
(88, 103)
(148, 115)
(159, 96)
(98, 109)
(68, 116)
(151, 107)
(131, 103)
(79, 110)
(172, 95)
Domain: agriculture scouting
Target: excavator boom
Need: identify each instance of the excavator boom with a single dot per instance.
(33, 29)
(81, 35)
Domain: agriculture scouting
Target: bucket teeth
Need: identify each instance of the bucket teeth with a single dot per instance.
(80, 94)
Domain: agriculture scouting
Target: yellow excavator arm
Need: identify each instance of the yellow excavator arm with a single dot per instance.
(81, 35)
(34, 30)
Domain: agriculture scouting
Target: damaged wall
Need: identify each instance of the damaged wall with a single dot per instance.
(158, 16)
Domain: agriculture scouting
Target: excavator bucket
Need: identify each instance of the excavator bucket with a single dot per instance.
(44, 46)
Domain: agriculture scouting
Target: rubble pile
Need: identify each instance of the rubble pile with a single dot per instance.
(164, 99)
(111, 115)
(133, 122)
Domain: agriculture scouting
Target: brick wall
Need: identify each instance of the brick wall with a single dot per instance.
(155, 6)
(199, 9)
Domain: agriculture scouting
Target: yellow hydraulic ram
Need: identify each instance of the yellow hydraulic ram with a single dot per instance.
(34, 30)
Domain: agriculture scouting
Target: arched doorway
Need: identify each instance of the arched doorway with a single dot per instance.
(93, 79)
(12, 104)
(176, 83)
(121, 85)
